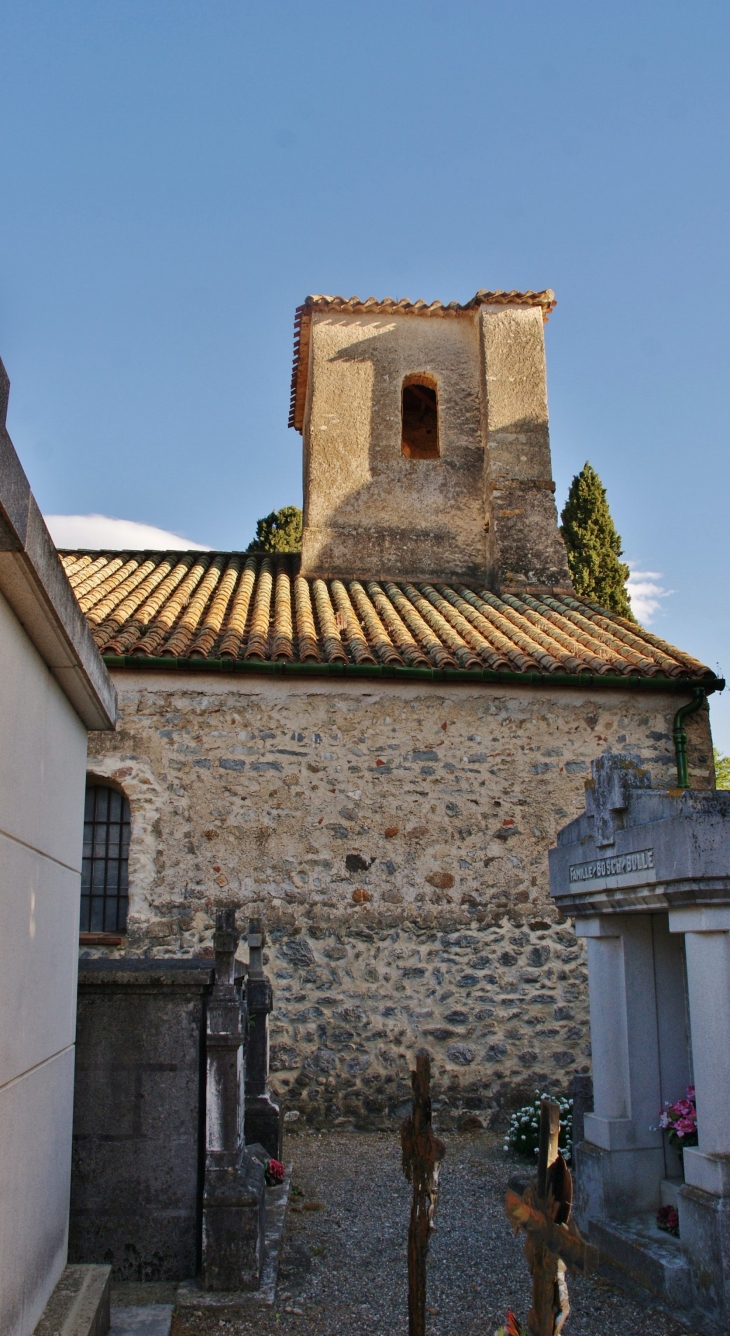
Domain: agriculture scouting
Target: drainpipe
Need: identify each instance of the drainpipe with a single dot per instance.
(680, 736)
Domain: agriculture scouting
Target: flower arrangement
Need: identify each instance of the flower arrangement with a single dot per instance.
(679, 1121)
(523, 1133)
(511, 1326)
(668, 1220)
(274, 1173)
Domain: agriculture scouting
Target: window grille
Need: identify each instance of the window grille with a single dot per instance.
(104, 870)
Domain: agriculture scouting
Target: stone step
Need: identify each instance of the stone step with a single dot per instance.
(141, 1320)
(79, 1305)
(635, 1250)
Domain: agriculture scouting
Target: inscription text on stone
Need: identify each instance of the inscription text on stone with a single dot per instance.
(641, 861)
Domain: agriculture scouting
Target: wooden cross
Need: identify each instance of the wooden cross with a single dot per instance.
(422, 1154)
(553, 1241)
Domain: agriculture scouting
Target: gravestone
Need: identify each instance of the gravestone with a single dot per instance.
(139, 1108)
(263, 1116)
(233, 1187)
(645, 873)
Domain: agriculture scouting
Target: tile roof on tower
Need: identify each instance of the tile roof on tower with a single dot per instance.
(198, 608)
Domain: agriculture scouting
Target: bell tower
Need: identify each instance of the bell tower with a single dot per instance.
(426, 445)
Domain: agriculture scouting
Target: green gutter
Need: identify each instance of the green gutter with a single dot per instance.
(393, 673)
(680, 736)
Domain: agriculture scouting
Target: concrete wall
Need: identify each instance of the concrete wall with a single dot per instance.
(394, 837)
(483, 510)
(41, 827)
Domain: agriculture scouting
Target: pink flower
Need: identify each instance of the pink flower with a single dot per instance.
(274, 1172)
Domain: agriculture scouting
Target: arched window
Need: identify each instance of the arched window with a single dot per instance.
(420, 418)
(104, 874)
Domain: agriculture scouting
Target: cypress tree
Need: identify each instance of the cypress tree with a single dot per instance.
(593, 545)
(281, 531)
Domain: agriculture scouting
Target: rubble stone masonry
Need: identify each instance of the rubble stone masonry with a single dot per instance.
(394, 838)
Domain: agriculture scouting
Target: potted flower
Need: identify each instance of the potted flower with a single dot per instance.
(679, 1121)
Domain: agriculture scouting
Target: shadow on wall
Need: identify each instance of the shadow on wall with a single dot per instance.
(371, 510)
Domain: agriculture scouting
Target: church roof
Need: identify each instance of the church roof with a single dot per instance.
(388, 306)
(230, 609)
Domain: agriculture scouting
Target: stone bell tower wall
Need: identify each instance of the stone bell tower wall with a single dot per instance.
(482, 511)
(369, 510)
(525, 546)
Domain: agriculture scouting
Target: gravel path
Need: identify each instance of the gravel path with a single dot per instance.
(343, 1268)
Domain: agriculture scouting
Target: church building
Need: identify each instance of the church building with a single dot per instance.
(372, 745)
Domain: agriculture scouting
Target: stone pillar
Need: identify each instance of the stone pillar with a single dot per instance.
(622, 1159)
(263, 1117)
(233, 1191)
(704, 1201)
(707, 946)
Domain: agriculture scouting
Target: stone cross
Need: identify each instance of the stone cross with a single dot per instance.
(553, 1241)
(233, 1187)
(263, 1116)
(607, 792)
(422, 1154)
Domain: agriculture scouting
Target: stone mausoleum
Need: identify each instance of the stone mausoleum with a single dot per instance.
(372, 747)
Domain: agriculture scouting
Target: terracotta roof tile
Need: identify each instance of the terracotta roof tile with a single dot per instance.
(227, 605)
(388, 306)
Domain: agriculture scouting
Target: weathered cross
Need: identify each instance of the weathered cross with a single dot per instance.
(422, 1154)
(553, 1242)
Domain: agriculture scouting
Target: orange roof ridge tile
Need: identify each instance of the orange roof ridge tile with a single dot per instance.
(114, 575)
(619, 651)
(135, 627)
(72, 562)
(586, 633)
(234, 627)
(519, 648)
(306, 629)
(359, 648)
(377, 636)
(404, 641)
(623, 629)
(161, 626)
(497, 648)
(331, 639)
(530, 649)
(121, 611)
(257, 644)
(460, 622)
(438, 653)
(282, 639)
(80, 574)
(526, 610)
(572, 639)
(178, 643)
(213, 620)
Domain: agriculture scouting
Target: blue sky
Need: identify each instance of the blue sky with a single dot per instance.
(177, 176)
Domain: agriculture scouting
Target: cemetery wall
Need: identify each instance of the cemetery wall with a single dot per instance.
(394, 838)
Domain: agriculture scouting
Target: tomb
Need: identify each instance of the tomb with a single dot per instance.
(645, 874)
(166, 1184)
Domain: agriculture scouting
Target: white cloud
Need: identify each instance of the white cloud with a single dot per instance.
(99, 531)
(645, 593)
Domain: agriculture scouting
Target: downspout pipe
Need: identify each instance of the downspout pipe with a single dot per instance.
(680, 735)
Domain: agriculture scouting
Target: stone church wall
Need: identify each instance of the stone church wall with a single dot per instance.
(395, 839)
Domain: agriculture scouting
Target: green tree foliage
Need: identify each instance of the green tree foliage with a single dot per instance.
(722, 769)
(593, 545)
(281, 531)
